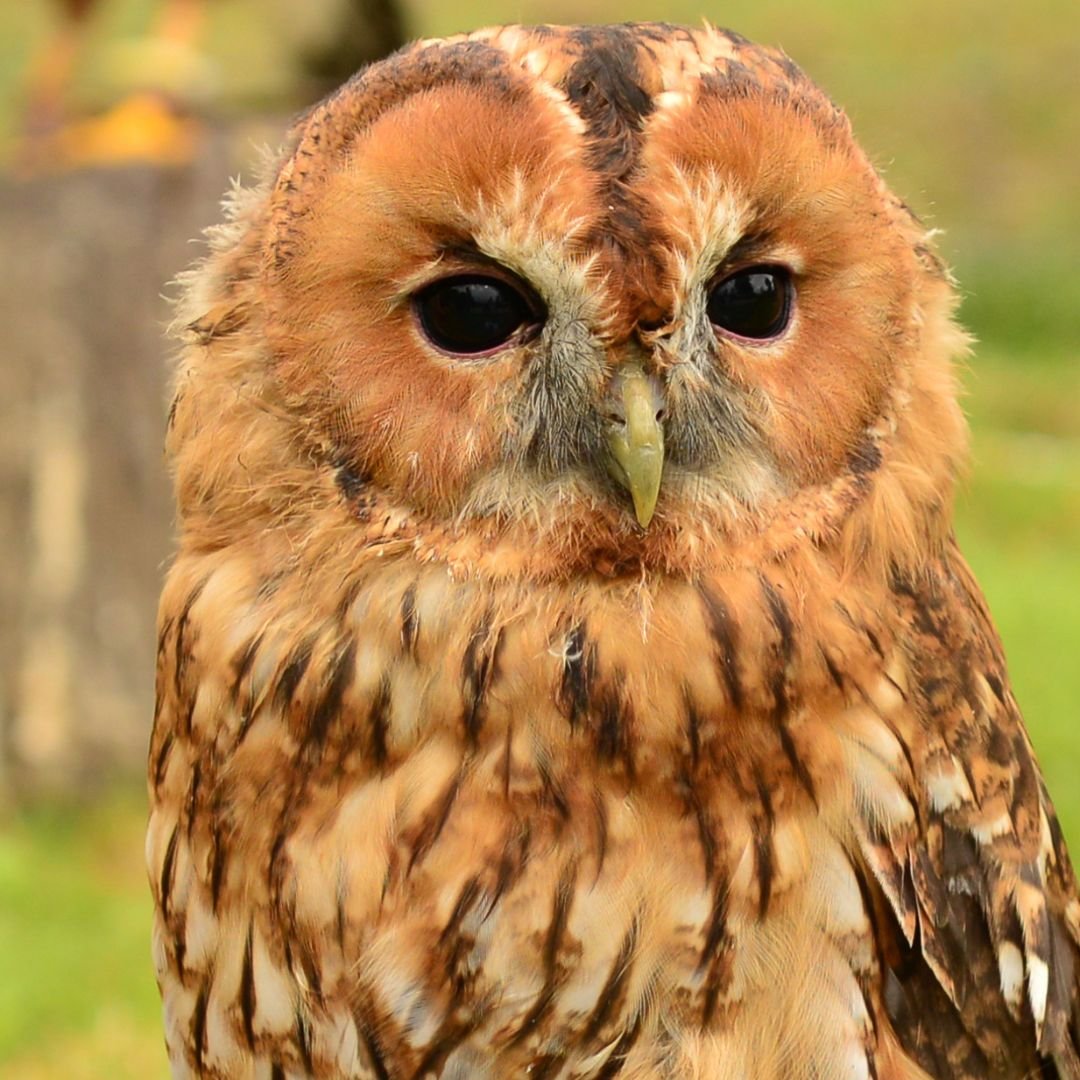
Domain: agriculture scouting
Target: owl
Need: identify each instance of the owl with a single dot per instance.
(568, 669)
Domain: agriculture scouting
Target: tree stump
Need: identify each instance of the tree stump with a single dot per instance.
(85, 505)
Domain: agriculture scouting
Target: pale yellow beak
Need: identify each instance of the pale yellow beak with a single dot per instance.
(635, 438)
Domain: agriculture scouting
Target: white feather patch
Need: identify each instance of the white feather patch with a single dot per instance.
(1011, 967)
(986, 832)
(1038, 986)
(949, 789)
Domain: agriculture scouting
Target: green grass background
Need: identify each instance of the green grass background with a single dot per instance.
(972, 110)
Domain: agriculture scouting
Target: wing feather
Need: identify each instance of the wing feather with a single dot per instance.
(991, 910)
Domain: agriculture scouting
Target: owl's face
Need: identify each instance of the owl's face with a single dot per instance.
(629, 289)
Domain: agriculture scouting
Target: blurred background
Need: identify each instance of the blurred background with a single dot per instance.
(121, 122)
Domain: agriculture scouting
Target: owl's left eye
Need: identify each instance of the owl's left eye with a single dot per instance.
(754, 302)
(473, 314)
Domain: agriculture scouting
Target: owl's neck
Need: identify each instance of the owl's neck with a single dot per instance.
(648, 675)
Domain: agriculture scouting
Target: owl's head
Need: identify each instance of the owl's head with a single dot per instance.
(613, 297)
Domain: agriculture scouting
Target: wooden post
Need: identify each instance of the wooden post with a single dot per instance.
(85, 507)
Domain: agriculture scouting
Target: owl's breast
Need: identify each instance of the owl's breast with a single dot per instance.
(429, 824)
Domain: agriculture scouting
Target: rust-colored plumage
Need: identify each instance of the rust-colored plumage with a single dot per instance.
(459, 770)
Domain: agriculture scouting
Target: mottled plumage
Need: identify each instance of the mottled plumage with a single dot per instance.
(460, 771)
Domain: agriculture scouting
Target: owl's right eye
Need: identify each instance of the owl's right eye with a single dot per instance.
(474, 314)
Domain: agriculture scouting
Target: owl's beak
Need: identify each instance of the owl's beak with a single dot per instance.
(635, 439)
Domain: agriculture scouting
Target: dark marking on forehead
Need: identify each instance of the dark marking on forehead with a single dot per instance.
(606, 88)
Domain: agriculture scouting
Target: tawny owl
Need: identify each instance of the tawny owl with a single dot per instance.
(568, 669)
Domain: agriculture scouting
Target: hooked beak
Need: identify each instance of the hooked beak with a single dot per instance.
(635, 439)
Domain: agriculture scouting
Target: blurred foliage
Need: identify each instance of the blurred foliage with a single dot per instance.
(971, 110)
(77, 998)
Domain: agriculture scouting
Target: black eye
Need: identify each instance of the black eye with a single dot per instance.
(754, 302)
(473, 314)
